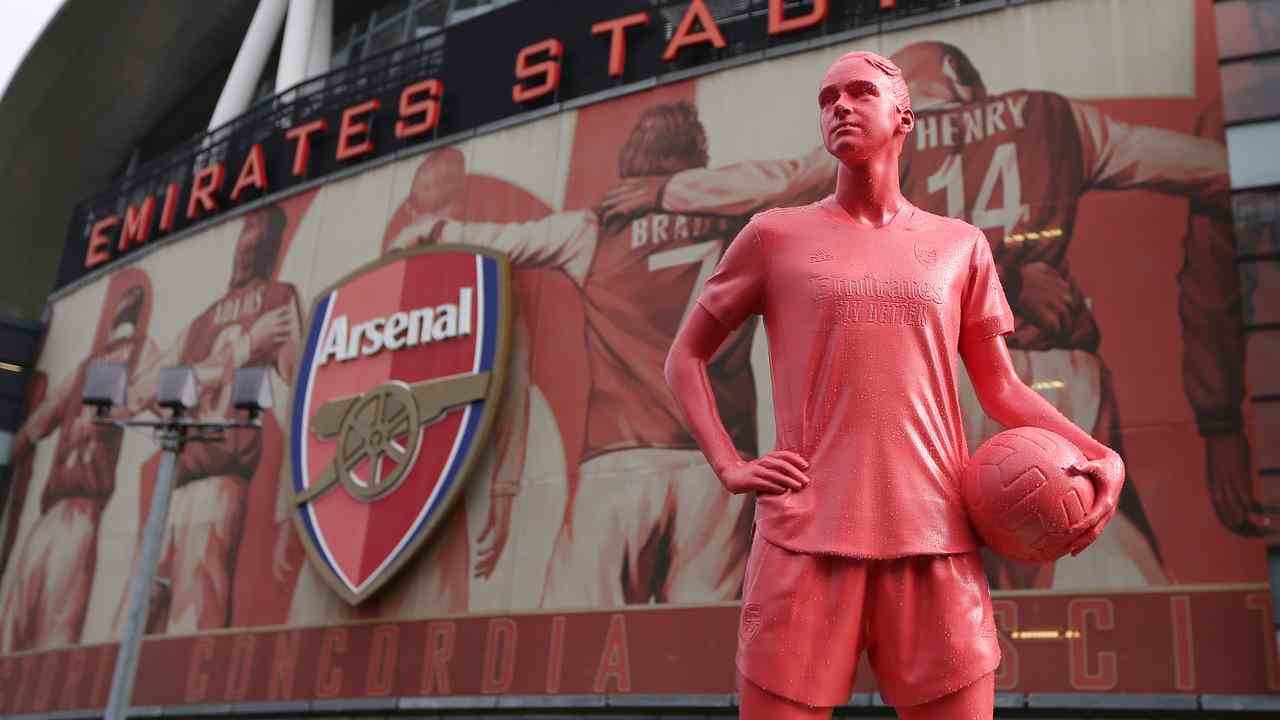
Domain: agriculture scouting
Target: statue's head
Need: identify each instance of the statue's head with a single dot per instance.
(864, 106)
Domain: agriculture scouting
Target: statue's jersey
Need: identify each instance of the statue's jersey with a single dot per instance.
(864, 328)
(1015, 166)
(638, 282)
(219, 338)
(84, 462)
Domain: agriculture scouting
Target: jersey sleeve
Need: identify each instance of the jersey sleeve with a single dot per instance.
(566, 241)
(1211, 310)
(1119, 155)
(984, 311)
(736, 290)
(747, 187)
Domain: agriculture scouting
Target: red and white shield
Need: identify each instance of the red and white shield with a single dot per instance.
(396, 393)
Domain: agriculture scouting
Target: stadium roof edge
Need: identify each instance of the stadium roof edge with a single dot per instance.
(88, 88)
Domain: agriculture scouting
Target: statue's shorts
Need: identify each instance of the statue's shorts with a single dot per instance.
(925, 622)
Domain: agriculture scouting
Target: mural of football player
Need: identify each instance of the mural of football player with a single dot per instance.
(1214, 364)
(1042, 152)
(52, 575)
(257, 322)
(648, 520)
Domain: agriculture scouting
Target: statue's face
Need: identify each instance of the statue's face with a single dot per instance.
(859, 116)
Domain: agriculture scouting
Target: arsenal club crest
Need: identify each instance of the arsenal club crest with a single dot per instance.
(396, 393)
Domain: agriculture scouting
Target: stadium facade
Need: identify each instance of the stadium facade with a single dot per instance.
(460, 235)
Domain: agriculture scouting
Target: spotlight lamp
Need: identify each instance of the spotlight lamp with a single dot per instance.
(251, 391)
(177, 389)
(104, 387)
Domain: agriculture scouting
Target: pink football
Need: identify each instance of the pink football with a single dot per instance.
(1022, 496)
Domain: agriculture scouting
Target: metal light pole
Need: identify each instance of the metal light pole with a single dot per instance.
(177, 391)
(171, 440)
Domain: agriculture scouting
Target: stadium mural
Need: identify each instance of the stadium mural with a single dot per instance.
(590, 548)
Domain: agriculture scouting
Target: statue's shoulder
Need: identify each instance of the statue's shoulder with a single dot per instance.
(783, 221)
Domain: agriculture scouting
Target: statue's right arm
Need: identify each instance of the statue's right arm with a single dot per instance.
(686, 372)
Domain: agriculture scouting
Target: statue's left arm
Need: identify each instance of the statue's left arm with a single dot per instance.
(1011, 403)
(985, 320)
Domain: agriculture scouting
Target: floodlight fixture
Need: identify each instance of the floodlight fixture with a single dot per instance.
(251, 390)
(104, 386)
(177, 389)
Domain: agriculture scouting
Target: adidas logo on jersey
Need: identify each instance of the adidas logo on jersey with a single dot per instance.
(398, 330)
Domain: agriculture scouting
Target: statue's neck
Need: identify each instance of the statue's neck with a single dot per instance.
(868, 190)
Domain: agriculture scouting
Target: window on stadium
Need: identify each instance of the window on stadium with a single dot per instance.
(363, 28)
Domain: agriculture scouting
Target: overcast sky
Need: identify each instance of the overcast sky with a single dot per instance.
(20, 23)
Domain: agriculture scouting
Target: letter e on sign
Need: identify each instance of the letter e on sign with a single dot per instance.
(352, 127)
(97, 252)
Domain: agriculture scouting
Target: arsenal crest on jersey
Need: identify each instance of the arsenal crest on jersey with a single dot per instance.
(396, 393)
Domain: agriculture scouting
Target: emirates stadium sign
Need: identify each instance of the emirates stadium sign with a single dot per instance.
(494, 67)
(396, 394)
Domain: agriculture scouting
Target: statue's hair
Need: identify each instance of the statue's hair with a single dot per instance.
(897, 83)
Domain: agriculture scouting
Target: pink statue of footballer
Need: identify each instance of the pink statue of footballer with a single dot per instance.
(861, 537)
